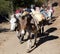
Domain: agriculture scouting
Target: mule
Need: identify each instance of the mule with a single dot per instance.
(14, 18)
(12, 22)
(39, 20)
(27, 24)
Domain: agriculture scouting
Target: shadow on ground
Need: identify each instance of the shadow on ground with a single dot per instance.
(50, 30)
(53, 19)
(43, 40)
(46, 37)
(4, 30)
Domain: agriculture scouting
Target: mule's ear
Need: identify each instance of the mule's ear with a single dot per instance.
(25, 18)
(20, 16)
(19, 19)
(30, 13)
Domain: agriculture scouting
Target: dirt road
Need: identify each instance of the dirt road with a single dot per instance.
(9, 43)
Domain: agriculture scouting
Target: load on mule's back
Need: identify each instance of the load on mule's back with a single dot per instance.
(28, 26)
(38, 18)
(37, 15)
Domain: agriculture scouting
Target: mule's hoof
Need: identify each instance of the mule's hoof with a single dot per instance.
(50, 22)
(28, 50)
(21, 42)
(35, 46)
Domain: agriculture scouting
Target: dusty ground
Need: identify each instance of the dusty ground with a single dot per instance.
(9, 43)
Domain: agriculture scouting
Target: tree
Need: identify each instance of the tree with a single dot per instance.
(40, 2)
(7, 6)
(4, 7)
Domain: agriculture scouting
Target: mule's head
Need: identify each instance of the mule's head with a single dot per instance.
(23, 24)
(26, 23)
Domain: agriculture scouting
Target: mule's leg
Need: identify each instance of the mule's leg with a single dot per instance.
(35, 39)
(21, 38)
(42, 29)
(18, 34)
(29, 42)
(42, 26)
(50, 18)
(29, 45)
